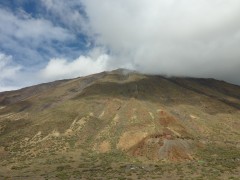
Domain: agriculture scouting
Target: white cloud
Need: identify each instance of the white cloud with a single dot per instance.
(8, 88)
(23, 35)
(9, 72)
(6, 68)
(24, 27)
(58, 68)
(68, 12)
(175, 37)
(199, 38)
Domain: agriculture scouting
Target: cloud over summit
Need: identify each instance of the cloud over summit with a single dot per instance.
(64, 39)
(175, 37)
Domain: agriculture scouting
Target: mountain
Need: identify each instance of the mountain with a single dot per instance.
(121, 124)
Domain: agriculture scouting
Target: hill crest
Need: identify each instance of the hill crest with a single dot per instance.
(142, 117)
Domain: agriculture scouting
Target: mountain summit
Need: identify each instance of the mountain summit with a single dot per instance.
(120, 116)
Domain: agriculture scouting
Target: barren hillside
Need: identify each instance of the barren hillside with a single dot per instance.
(121, 122)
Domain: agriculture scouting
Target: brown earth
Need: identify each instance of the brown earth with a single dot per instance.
(146, 118)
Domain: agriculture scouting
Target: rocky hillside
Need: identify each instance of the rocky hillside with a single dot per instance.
(119, 116)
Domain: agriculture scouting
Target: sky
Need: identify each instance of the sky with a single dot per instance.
(47, 40)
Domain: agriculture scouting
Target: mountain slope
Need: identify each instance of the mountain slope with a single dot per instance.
(121, 114)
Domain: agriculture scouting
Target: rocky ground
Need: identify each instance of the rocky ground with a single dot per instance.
(117, 125)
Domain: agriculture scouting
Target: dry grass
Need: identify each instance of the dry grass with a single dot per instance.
(89, 128)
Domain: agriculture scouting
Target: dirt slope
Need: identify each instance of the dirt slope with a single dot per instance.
(148, 118)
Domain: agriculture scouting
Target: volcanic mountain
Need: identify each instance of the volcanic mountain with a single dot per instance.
(121, 117)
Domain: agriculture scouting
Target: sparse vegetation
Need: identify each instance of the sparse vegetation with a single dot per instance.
(169, 128)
